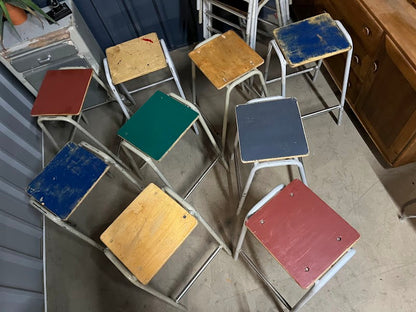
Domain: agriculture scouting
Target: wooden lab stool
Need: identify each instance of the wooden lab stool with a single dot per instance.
(308, 41)
(148, 232)
(67, 180)
(309, 239)
(60, 98)
(271, 134)
(137, 58)
(227, 61)
(157, 126)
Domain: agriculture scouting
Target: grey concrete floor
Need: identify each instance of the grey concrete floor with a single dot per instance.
(341, 169)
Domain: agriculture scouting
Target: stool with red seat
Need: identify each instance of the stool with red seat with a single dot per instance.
(306, 236)
(60, 98)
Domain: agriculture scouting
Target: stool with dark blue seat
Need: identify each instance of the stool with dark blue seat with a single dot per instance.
(67, 180)
(271, 134)
(308, 41)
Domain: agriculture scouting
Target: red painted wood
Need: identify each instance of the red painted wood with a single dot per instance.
(302, 232)
(62, 92)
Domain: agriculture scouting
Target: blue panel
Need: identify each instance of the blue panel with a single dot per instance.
(67, 179)
(312, 38)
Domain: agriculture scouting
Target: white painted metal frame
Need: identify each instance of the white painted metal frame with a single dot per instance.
(127, 148)
(317, 285)
(116, 94)
(174, 302)
(252, 17)
(257, 165)
(230, 87)
(283, 65)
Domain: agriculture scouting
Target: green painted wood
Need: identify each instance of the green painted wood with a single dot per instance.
(158, 125)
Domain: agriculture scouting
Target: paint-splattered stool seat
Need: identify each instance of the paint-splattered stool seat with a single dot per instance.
(309, 41)
(136, 58)
(306, 236)
(61, 187)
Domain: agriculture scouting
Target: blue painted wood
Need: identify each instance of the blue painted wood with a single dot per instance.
(270, 130)
(311, 39)
(64, 182)
(158, 125)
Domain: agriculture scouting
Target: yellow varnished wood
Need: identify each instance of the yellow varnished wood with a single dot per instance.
(225, 58)
(148, 232)
(135, 58)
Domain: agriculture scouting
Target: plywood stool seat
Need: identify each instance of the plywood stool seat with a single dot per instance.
(306, 236)
(137, 58)
(270, 133)
(146, 234)
(226, 60)
(157, 126)
(61, 97)
(308, 41)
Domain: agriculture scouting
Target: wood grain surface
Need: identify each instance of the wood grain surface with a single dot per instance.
(135, 58)
(225, 58)
(148, 232)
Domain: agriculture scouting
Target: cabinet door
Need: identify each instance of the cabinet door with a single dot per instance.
(388, 109)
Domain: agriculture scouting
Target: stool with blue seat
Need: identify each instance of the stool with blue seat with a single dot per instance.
(158, 125)
(306, 236)
(270, 134)
(309, 41)
(67, 180)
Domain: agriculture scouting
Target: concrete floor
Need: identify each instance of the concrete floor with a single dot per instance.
(341, 169)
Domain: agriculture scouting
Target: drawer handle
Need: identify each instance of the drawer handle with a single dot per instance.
(45, 60)
(356, 59)
(375, 66)
(366, 30)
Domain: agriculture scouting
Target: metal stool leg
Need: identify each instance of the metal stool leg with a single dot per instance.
(277, 163)
(148, 160)
(114, 90)
(324, 279)
(346, 71)
(135, 282)
(172, 68)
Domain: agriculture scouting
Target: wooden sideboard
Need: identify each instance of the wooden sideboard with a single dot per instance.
(382, 84)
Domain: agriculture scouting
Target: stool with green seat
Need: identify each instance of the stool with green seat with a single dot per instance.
(157, 126)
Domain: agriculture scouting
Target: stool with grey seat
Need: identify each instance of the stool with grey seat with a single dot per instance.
(270, 134)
